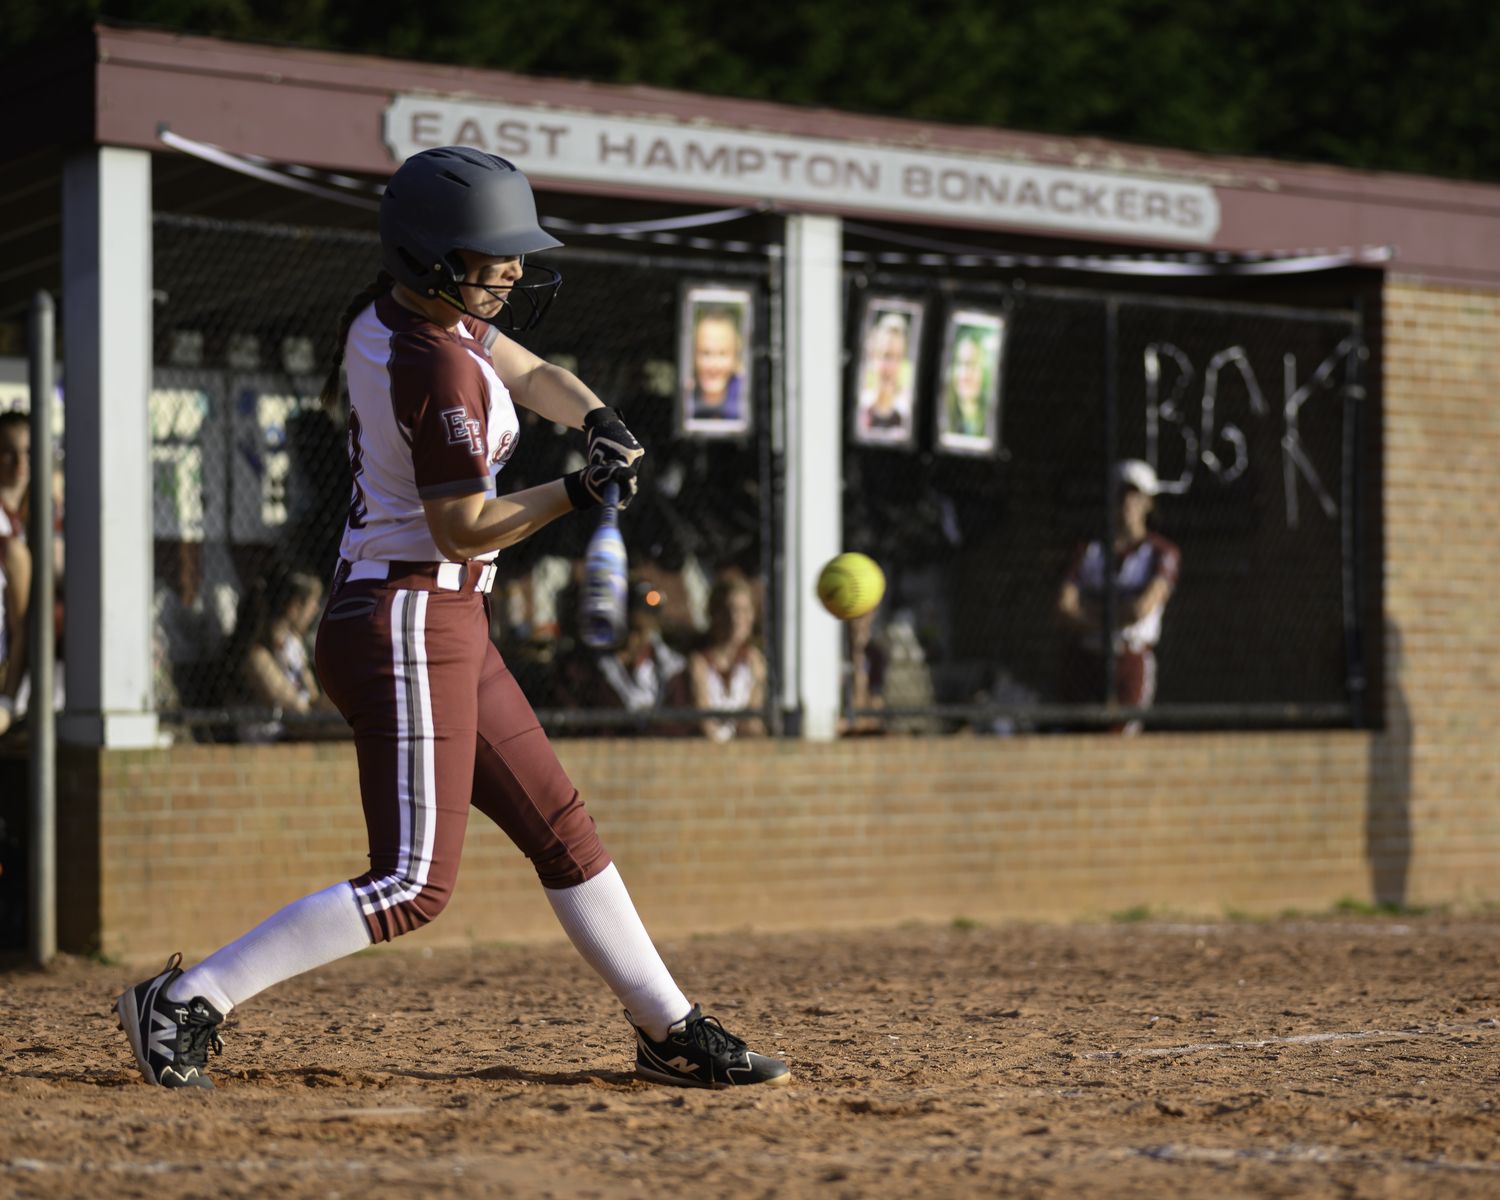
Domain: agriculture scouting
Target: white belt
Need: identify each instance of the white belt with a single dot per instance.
(369, 568)
(450, 575)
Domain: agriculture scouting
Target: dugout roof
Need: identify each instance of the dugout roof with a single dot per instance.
(343, 112)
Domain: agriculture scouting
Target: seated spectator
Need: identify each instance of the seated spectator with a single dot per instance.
(269, 651)
(641, 675)
(729, 671)
(15, 468)
(15, 565)
(15, 592)
(1007, 691)
(906, 675)
(864, 676)
(15, 558)
(1146, 569)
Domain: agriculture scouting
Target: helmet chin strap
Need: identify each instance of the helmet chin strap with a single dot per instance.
(509, 317)
(459, 303)
(493, 321)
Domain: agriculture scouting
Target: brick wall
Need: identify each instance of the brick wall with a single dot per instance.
(198, 843)
(1442, 581)
(195, 844)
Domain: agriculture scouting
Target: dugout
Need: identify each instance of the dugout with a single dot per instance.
(203, 209)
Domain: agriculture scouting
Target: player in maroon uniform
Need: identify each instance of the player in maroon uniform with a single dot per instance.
(403, 649)
(1146, 569)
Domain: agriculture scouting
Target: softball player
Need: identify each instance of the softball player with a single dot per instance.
(403, 648)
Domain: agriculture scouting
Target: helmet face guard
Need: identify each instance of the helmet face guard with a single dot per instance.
(523, 304)
(451, 199)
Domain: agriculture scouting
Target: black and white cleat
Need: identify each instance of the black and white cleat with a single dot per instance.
(170, 1038)
(700, 1052)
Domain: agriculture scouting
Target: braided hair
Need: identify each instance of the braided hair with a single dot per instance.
(373, 291)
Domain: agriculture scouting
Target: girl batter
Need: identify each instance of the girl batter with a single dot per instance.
(403, 649)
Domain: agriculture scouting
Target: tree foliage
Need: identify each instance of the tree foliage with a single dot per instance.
(1409, 85)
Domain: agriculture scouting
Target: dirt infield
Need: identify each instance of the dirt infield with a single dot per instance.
(1351, 1058)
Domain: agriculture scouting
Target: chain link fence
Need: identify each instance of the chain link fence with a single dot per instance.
(985, 424)
(252, 481)
(640, 330)
(251, 478)
(985, 430)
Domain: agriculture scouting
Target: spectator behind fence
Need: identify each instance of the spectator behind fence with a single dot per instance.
(268, 653)
(1146, 570)
(906, 680)
(864, 675)
(15, 468)
(15, 561)
(643, 674)
(15, 545)
(728, 671)
(15, 591)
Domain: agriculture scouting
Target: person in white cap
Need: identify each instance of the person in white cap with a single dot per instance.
(1146, 570)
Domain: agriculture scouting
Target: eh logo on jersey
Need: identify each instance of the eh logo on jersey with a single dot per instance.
(463, 430)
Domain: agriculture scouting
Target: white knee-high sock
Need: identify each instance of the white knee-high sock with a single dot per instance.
(305, 934)
(601, 921)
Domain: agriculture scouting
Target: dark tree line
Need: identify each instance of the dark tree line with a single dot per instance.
(1410, 85)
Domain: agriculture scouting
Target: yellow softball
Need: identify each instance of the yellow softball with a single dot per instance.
(851, 585)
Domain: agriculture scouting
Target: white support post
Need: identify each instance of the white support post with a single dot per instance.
(107, 332)
(814, 466)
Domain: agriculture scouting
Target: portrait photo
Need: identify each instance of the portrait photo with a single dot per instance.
(886, 386)
(716, 324)
(968, 409)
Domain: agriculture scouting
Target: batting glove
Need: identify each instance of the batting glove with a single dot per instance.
(586, 487)
(609, 440)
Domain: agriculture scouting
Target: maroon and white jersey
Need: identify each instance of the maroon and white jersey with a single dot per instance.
(428, 417)
(1151, 558)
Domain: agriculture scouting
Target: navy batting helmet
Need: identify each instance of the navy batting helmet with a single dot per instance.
(453, 198)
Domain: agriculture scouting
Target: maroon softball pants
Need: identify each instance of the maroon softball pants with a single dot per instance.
(440, 725)
(1135, 677)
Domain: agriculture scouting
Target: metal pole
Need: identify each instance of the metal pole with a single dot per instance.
(1111, 497)
(40, 636)
(1352, 526)
(772, 474)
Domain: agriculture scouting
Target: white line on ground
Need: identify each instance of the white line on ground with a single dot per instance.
(1300, 1040)
(1295, 1153)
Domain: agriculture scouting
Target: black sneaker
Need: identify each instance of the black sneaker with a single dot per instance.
(699, 1052)
(170, 1038)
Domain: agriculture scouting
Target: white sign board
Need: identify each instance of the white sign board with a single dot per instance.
(653, 154)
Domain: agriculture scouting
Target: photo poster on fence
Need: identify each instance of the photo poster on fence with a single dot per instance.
(968, 408)
(716, 325)
(890, 344)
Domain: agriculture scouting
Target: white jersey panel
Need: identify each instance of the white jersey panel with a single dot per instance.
(391, 524)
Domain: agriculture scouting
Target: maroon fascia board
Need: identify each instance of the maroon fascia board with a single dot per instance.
(323, 108)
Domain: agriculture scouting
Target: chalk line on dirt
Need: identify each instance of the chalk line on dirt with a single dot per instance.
(1303, 1039)
(1296, 1153)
